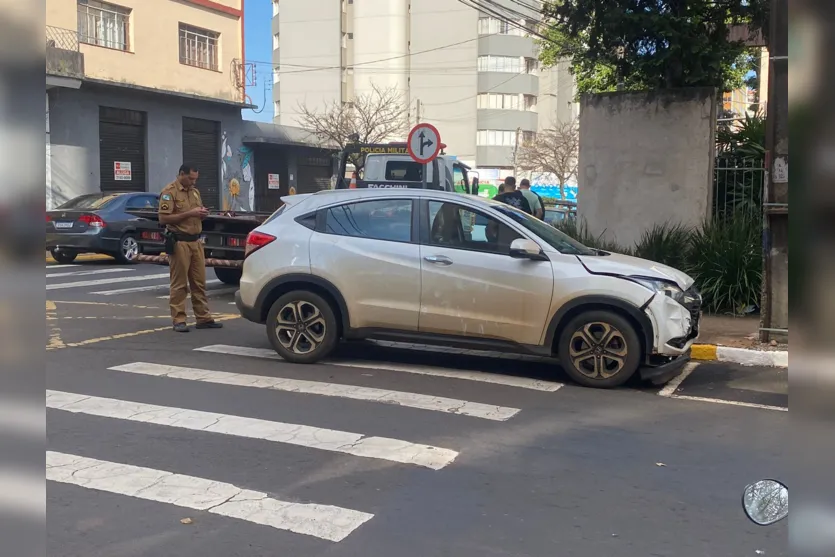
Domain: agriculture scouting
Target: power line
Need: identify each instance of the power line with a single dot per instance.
(398, 57)
(477, 94)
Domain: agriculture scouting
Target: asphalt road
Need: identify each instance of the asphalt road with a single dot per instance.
(204, 444)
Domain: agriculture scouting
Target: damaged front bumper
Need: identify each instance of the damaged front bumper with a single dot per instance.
(676, 329)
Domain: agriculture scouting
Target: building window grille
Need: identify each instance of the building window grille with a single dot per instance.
(103, 24)
(199, 47)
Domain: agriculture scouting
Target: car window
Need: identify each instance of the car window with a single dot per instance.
(142, 202)
(408, 171)
(556, 239)
(90, 202)
(383, 219)
(456, 226)
(458, 174)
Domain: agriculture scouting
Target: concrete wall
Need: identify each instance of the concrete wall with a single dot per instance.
(74, 140)
(152, 58)
(645, 158)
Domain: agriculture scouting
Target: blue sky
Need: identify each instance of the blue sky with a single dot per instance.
(259, 50)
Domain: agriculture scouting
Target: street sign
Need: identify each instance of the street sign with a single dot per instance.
(424, 143)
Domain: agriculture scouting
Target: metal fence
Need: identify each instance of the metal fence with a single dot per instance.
(738, 186)
(65, 39)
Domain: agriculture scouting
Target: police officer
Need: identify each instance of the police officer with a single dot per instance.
(181, 211)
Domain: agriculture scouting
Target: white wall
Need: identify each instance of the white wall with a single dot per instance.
(556, 101)
(310, 35)
(381, 31)
(446, 80)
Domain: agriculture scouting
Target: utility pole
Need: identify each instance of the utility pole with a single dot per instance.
(774, 321)
(417, 111)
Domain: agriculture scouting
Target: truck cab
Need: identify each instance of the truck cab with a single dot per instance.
(390, 166)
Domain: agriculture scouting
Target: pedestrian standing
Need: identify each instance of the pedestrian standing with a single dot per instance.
(182, 212)
(510, 195)
(533, 198)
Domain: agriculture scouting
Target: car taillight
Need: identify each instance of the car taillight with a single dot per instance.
(92, 220)
(235, 242)
(256, 240)
(48, 218)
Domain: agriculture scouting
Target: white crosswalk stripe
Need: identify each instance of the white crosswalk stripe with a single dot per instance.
(244, 502)
(96, 282)
(412, 400)
(161, 286)
(355, 444)
(62, 266)
(321, 521)
(480, 376)
(85, 273)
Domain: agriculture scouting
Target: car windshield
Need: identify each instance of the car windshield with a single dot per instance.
(93, 202)
(556, 239)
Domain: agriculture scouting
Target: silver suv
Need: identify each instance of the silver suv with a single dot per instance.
(450, 269)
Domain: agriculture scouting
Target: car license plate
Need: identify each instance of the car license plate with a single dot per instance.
(63, 225)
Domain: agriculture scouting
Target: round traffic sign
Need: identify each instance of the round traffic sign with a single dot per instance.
(424, 143)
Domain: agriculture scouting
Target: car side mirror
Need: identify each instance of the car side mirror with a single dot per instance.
(474, 187)
(766, 502)
(522, 248)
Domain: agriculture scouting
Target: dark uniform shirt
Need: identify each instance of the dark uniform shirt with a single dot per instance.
(515, 199)
(175, 199)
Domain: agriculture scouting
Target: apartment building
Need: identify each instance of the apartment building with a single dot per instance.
(473, 75)
(136, 87)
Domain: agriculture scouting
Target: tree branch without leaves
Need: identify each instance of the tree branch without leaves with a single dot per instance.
(377, 116)
(553, 151)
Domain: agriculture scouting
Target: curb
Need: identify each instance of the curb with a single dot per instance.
(743, 356)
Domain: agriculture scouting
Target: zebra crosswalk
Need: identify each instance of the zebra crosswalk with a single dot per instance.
(251, 375)
(108, 281)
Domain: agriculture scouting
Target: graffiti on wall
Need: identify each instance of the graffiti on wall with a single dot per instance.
(237, 176)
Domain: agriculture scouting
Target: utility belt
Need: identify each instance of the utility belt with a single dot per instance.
(171, 239)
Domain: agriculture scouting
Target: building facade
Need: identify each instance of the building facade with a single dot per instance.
(473, 75)
(136, 87)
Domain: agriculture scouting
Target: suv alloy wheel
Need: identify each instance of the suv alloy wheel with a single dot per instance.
(599, 349)
(302, 327)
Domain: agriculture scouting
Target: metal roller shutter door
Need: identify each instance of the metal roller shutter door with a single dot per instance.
(121, 139)
(314, 174)
(201, 147)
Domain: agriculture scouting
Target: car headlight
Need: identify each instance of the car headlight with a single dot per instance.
(667, 288)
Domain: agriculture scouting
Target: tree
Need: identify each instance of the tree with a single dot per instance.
(372, 117)
(650, 44)
(552, 151)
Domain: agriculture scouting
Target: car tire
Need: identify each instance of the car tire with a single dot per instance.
(63, 257)
(599, 349)
(228, 275)
(128, 250)
(302, 327)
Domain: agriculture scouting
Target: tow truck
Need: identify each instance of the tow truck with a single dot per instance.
(388, 165)
(382, 165)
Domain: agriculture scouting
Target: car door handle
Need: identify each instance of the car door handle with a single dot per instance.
(438, 259)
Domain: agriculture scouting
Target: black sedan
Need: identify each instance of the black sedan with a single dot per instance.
(97, 223)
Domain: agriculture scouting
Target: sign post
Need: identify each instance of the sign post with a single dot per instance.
(423, 145)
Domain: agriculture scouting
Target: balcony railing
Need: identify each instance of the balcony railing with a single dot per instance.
(63, 55)
(65, 39)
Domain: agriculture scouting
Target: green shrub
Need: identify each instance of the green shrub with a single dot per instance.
(578, 229)
(665, 243)
(724, 256)
(726, 262)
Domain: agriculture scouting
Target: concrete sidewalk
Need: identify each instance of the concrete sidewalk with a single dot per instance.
(736, 339)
